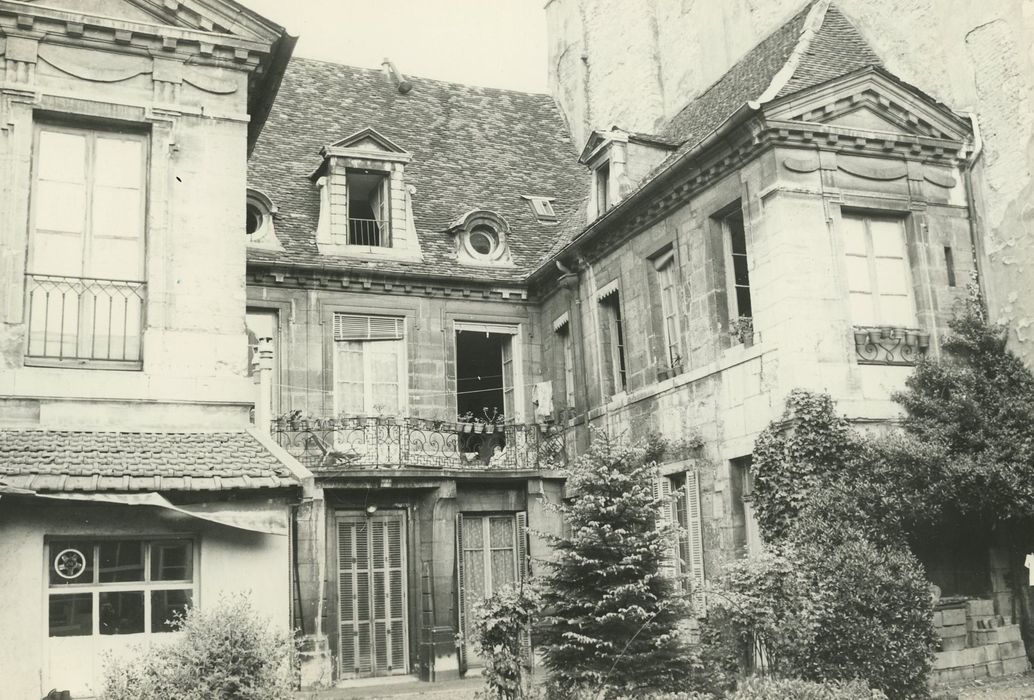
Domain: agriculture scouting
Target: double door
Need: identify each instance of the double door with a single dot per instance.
(372, 617)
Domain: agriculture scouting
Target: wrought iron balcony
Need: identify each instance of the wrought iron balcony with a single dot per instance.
(889, 345)
(84, 319)
(336, 444)
(370, 232)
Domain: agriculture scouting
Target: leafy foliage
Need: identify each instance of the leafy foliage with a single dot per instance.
(834, 608)
(225, 653)
(795, 689)
(789, 465)
(612, 617)
(500, 623)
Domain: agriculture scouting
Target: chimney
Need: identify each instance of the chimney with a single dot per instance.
(264, 400)
(403, 85)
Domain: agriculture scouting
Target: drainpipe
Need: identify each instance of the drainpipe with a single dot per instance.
(264, 402)
(971, 207)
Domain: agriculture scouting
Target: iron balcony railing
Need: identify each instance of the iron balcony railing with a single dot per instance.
(79, 318)
(334, 444)
(369, 232)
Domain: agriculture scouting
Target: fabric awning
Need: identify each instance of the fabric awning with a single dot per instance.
(262, 521)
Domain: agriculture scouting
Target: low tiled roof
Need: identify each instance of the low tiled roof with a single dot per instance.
(81, 460)
(472, 148)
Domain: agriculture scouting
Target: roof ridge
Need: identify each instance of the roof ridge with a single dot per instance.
(812, 26)
(422, 79)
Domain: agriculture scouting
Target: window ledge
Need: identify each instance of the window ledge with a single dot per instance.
(368, 252)
(124, 365)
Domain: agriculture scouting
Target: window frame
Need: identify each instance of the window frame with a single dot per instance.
(562, 330)
(95, 588)
(735, 210)
(866, 216)
(613, 348)
(665, 268)
(601, 175)
(516, 361)
(386, 230)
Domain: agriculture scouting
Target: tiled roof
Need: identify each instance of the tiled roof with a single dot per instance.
(81, 460)
(472, 148)
(836, 48)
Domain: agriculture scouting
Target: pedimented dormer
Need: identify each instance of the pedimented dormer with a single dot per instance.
(365, 204)
(618, 160)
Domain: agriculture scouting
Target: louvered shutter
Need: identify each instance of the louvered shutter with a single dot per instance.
(666, 516)
(509, 410)
(461, 593)
(355, 327)
(696, 542)
(354, 600)
(524, 573)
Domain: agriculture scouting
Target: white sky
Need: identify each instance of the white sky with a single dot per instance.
(495, 43)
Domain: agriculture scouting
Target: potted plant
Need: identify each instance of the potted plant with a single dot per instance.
(742, 329)
(861, 336)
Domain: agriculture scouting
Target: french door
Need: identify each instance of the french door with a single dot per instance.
(372, 619)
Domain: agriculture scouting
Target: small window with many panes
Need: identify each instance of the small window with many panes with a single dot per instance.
(118, 586)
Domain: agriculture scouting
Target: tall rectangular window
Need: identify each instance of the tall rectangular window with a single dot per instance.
(369, 365)
(563, 333)
(667, 283)
(85, 276)
(602, 174)
(612, 333)
(737, 263)
(877, 271)
(369, 220)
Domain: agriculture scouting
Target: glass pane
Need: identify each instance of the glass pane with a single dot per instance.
(503, 568)
(743, 307)
(858, 274)
(862, 313)
(62, 156)
(122, 612)
(739, 265)
(384, 360)
(896, 311)
(117, 162)
(116, 212)
(71, 562)
(385, 398)
(172, 560)
(473, 537)
(854, 235)
(60, 207)
(890, 276)
(888, 239)
(57, 254)
(115, 259)
(121, 561)
(737, 235)
(167, 606)
(348, 378)
(501, 532)
(474, 575)
(71, 615)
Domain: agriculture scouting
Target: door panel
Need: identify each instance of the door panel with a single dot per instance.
(372, 596)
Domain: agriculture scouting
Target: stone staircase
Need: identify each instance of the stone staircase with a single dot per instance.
(975, 643)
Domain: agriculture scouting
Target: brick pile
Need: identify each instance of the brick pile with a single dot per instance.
(976, 643)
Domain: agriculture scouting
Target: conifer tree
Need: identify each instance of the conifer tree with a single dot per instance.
(611, 616)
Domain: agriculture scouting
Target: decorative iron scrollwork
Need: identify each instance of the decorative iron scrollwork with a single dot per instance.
(890, 346)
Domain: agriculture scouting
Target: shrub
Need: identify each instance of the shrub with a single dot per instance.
(795, 689)
(833, 609)
(225, 653)
(500, 626)
(613, 618)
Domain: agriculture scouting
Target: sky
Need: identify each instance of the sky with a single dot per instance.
(493, 43)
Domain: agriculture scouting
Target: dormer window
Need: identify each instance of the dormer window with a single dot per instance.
(365, 203)
(542, 207)
(258, 219)
(481, 239)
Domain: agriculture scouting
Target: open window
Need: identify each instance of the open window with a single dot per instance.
(488, 386)
(612, 341)
(737, 273)
(368, 218)
(602, 186)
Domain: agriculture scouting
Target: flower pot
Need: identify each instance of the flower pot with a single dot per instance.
(924, 340)
(886, 333)
(861, 337)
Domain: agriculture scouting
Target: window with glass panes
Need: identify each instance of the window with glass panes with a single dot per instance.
(613, 337)
(737, 246)
(369, 365)
(877, 271)
(86, 252)
(117, 586)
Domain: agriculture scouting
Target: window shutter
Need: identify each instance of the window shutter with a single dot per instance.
(354, 327)
(696, 542)
(666, 516)
(523, 573)
(461, 612)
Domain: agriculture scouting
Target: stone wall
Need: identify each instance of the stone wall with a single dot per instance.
(637, 64)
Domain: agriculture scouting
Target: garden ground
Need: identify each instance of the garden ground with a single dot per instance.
(1009, 688)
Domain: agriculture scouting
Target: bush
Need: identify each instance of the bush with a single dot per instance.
(224, 653)
(836, 608)
(500, 627)
(795, 689)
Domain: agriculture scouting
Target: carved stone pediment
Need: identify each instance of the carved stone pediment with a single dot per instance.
(871, 100)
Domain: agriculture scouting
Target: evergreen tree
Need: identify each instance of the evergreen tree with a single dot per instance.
(611, 616)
